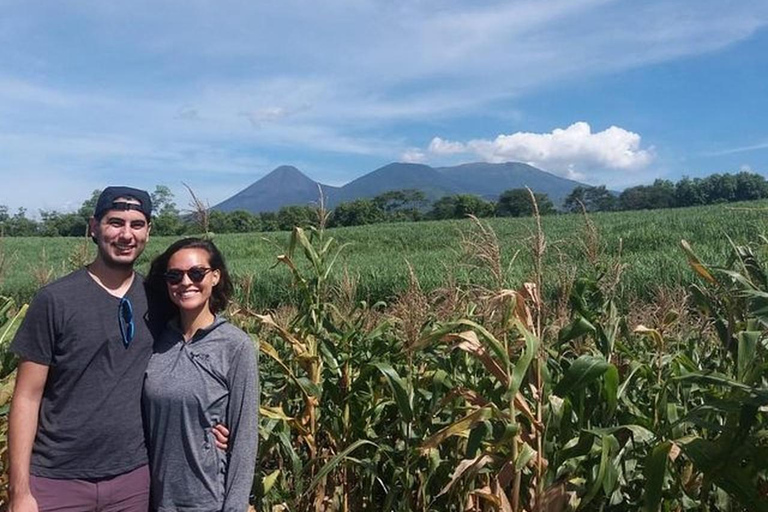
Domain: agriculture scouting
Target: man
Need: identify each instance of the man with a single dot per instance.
(76, 440)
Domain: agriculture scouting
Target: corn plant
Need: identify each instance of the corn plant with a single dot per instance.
(10, 318)
(723, 461)
(481, 406)
(479, 396)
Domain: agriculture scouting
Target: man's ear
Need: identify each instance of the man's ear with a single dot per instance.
(93, 225)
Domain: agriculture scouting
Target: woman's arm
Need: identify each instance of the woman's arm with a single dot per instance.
(243, 424)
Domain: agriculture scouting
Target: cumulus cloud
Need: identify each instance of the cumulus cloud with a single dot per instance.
(567, 151)
(440, 146)
(413, 156)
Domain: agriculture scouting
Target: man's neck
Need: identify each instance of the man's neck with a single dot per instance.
(115, 280)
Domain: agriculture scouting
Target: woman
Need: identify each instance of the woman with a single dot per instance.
(203, 372)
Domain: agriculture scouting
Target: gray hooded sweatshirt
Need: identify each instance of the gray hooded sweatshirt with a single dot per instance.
(190, 387)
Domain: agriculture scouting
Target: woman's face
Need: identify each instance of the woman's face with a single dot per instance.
(190, 279)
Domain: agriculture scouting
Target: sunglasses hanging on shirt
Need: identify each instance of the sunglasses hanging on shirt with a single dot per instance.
(125, 320)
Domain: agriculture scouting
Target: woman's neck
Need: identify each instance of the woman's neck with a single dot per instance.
(192, 321)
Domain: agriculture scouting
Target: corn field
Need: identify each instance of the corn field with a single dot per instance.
(494, 393)
(647, 242)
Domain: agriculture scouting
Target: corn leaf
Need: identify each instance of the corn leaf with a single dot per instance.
(696, 264)
(336, 460)
(654, 472)
(747, 352)
(584, 370)
(461, 426)
(469, 342)
(608, 442)
(474, 464)
(578, 327)
(735, 471)
(9, 329)
(522, 364)
(399, 389)
(269, 481)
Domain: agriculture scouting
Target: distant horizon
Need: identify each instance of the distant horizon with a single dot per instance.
(180, 198)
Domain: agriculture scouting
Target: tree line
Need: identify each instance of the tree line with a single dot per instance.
(403, 206)
(716, 188)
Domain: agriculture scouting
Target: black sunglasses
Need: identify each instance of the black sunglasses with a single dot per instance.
(196, 274)
(125, 320)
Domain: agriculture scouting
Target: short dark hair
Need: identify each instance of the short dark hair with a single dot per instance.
(161, 308)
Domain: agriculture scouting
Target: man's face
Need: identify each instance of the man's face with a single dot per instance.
(121, 236)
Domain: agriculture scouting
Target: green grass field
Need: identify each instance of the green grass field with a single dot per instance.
(379, 254)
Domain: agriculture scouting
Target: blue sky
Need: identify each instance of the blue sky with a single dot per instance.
(216, 94)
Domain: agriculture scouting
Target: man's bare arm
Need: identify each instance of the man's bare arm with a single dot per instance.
(22, 427)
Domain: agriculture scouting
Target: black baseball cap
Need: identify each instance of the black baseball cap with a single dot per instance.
(108, 200)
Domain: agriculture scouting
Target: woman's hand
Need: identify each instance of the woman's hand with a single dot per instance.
(220, 436)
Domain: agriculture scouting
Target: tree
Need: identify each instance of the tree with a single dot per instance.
(289, 217)
(750, 186)
(20, 225)
(4, 218)
(401, 205)
(688, 192)
(243, 221)
(53, 223)
(162, 201)
(594, 199)
(165, 214)
(86, 209)
(218, 222)
(356, 213)
(167, 224)
(268, 221)
(634, 198)
(516, 202)
(395, 200)
(661, 194)
(48, 221)
(459, 206)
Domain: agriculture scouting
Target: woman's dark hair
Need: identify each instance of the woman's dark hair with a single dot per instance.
(161, 309)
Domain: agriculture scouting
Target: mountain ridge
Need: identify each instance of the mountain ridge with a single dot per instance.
(286, 185)
(283, 186)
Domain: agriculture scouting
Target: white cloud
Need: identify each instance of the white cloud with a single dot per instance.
(413, 156)
(572, 152)
(440, 146)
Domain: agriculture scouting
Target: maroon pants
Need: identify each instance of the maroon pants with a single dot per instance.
(123, 493)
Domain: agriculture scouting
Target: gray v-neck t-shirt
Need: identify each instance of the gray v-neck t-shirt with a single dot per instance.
(90, 414)
(189, 388)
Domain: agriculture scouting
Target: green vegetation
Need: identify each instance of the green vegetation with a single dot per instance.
(403, 206)
(484, 400)
(644, 243)
(635, 381)
(716, 188)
